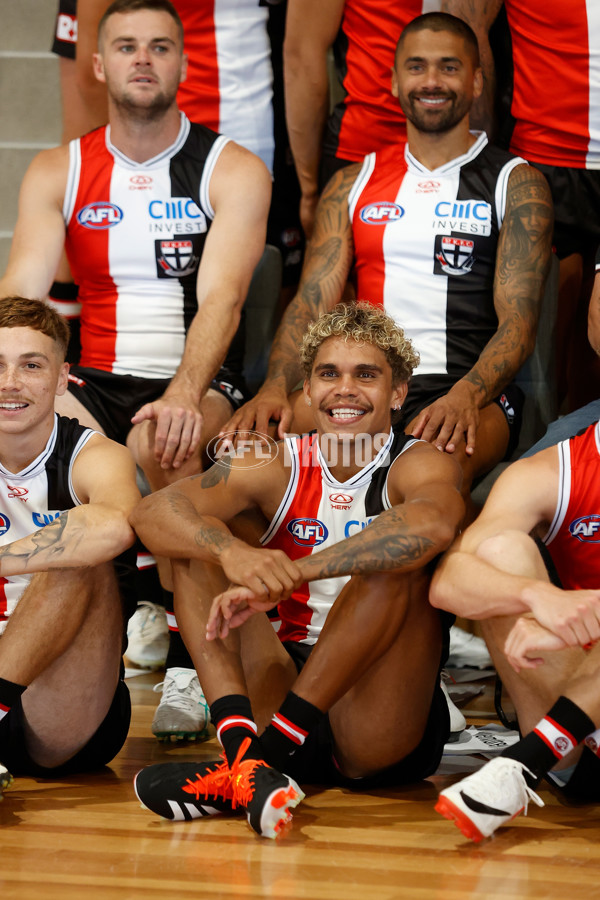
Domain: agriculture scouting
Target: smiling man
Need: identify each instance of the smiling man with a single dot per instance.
(65, 495)
(433, 231)
(350, 516)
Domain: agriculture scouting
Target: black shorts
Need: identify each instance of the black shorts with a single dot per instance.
(314, 762)
(576, 199)
(114, 399)
(65, 31)
(103, 746)
(424, 389)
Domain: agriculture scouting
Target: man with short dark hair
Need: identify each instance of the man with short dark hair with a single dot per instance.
(350, 516)
(451, 236)
(65, 495)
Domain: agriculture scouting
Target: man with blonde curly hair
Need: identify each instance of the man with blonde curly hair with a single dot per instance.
(350, 516)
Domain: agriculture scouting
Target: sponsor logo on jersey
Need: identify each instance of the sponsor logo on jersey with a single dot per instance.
(468, 216)
(586, 528)
(428, 187)
(175, 208)
(354, 526)
(100, 215)
(20, 492)
(341, 501)
(4, 523)
(175, 258)
(40, 520)
(140, 183)
(453, 256)
(381, 213)
(308, 532)
(66, 28)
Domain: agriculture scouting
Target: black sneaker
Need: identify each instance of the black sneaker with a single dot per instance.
(184, 791)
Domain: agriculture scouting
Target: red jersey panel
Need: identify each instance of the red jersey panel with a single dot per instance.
(369, 117)
(573, 539)
(229, 85)
(556, 95)
(317, 512)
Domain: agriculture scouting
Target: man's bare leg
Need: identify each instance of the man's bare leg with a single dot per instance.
(64, 641)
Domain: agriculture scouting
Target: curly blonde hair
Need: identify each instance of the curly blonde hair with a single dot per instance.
(364, 323)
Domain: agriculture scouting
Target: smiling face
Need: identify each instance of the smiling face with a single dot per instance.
(32, 373)
(141, 61)
(350, 389)
(435, 80)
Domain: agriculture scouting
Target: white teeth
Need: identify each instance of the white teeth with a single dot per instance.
(433, 101)
(346, 413)
(12, 405)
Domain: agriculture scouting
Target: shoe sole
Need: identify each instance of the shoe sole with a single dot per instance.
(174, 736)
(276, 817)
(450, 811)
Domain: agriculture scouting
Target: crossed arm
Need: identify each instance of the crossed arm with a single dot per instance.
(482, 580)
(86, 535)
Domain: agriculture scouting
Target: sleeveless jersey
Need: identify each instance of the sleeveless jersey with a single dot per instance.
(135, 234)
(425, 248)
(556, 74)
(33, 498)
(573, 538)
(368, 117)
(229, 84)
(316, 512)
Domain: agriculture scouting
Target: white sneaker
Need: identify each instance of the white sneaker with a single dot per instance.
(182, 713)
(148, 636)
(488, 799)
(458, 723)
(467, 650)
(5, 779)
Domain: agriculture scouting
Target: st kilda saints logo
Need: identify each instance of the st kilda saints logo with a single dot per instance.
(175, 258)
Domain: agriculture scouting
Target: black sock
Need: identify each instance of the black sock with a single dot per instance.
(9, 694)
(177, 656)
(232, 717)
(565, 726)
(289, 729)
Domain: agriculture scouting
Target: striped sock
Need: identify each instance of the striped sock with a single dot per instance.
(593, 742)
(9, 694)
(233, 720)
(562, 729)
(289, 729)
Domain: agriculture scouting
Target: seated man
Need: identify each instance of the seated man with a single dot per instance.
(164, 221)
(542, 633)
(350, 516)
(66, 496)
(452, 237)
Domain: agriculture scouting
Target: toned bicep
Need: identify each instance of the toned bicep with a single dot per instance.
(104, 473)
(39, 233)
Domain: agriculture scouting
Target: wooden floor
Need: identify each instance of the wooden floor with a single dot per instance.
(88, 838)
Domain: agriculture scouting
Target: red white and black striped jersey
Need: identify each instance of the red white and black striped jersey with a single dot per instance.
(573, 538)
(556, 74)
(425, 248)
(317, 512)
(368, 117)
(135, 235)
(229, 85)
(35, 497)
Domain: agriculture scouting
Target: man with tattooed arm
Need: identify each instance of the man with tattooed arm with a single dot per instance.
(350, 517)
(451, 236)
(65, 495)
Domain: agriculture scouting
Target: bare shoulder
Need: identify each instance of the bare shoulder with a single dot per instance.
(237, 163)
(100, 463)
(420, 465)
(527, 183)
(338, 186)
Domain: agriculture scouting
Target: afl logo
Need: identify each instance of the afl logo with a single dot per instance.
(586, 529)
(307, 532)
(99, 215)
(4, 523)
(381, 213)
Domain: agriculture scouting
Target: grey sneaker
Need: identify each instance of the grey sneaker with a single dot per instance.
(491, 797)
(148, 636)
(182, 714)
(5, 779)
(467, 650)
